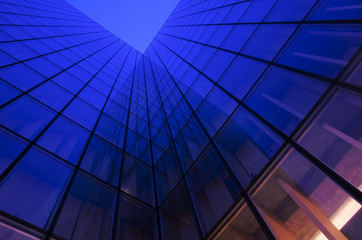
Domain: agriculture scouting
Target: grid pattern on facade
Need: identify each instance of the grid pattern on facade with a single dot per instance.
(242, 120)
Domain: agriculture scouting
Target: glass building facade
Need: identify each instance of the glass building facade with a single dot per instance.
(242, 120)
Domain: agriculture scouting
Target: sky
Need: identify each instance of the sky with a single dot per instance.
(134, 21)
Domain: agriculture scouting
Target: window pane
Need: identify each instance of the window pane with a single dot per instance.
(103, 160)
(137, 180)
(65, 139)
(33, 188)
(247, 144)
(212, 188)
(26, 116)
(268, 40)
(329, 48)
(241, 76)
(335, 135)
(298, 201)
(284, 98)
(87, 212)
(21, 76)
(52, 95)
(177, 217)
(11, 147)
(135, 221)
(82, 113)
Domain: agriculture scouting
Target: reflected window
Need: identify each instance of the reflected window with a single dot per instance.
(299, 201)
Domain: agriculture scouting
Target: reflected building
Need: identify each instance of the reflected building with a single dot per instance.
(242, 120)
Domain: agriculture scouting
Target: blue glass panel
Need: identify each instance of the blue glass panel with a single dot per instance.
(44, 66)
(268, 40)
(65, 139)
(285, 10)
(337, 10)
(177, 216)
(111, 130)
(32, 189)
(215, 110)
(93, 97)
(103, 160)
(137, 180)
(21, 76)
(26, 116)
(69, 82)
(135, 221)
(212, 189)
(241, 76)
(310, 49)
(52, 95)
(88, 211)
(7, 92)
(82, 113)
(11, 147)
(247, 145)
(238, 37)
(217, 65)
(167, 174)
(284, 98)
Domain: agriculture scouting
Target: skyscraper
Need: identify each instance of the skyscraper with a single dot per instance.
(242, 120)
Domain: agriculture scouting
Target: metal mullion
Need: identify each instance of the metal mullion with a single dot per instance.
(119, 184)
(31, 144)
(159, 226)
(48, 37)
(76, 169)
(50, 78)
(42, 55)
(227, 165)
(173, 145)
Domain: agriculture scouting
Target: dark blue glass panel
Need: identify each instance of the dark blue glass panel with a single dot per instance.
(111, 130)
(69, 82)
(310, 49)
(268, 40)
(135, 221)
(238, 37)
(88, 211)
(217, 65)
(285, 10)
(33, 188)
(11, 147)
(26, 116)
(167, 174)
(65, 139)
(257, 11)
(198, 91)
(215, 110)
(93, 97)
(284, 98)
(44, 66)
(177, 216)
(7, 92)
(190, 143)
(212, 189)
(137, 180)
(337, 10)
(103, 160)
(21, 76)
(52, 95)
(82, 113)
(241, 76)
(247, 145)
